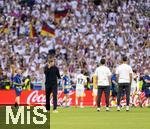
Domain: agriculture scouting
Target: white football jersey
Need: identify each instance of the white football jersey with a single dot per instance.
(124, 71)
(80, 81)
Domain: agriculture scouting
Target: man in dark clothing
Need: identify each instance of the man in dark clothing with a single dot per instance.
(51, 75)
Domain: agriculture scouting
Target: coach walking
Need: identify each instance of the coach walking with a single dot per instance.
(51, 75)
(103, 79)
(124, 76)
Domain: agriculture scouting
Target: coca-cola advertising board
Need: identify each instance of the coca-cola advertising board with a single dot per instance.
(37, 97)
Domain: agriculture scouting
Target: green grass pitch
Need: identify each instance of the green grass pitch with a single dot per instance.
(89, 118)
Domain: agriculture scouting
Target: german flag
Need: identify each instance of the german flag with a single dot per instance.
(32, 31)
(5, 29)
(59, 14)
(47, 30)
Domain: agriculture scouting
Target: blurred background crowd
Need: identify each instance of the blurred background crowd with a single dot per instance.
(86, 31)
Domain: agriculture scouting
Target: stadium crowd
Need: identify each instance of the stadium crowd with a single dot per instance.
(90, 30)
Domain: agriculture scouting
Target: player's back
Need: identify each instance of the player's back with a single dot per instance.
(124, 71)
(66, 80)
(80, 81)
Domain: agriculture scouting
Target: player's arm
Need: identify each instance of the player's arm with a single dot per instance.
(117, 75)
(109, 79)
(131, 78)
(58, 73)
(147, 81)
(114, 82)
(18, 84)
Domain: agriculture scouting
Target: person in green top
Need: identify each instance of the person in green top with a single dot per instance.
(27, 83)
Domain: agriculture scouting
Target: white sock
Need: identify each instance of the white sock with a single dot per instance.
(76, 102)
(81, 104)
(94, 103)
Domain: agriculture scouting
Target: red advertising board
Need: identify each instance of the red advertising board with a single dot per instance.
(37, 97)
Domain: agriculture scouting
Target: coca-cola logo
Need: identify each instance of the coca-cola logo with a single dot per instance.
(61, 98)
(36, 98)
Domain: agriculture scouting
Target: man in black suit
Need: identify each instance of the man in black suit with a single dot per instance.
(51, 76)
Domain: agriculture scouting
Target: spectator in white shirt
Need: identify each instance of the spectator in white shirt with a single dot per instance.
(124, 76)
(103, 77)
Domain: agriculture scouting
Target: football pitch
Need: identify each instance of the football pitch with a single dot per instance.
(30, 116)
(89, 118)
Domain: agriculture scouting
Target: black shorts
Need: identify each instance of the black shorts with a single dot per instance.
(147, 92)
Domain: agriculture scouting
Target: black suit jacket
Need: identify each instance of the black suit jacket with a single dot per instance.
(51, 75)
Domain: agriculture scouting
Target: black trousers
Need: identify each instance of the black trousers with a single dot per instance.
(106, 90)
(51, 89)
(126, 87)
